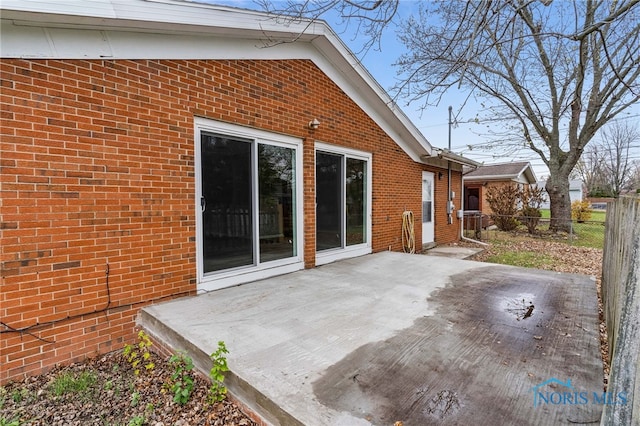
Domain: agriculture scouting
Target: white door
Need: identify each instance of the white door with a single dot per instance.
(427, 208)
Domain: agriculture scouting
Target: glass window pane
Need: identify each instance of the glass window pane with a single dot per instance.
(329, 211)
(276, 166)
(427, 201)
(356, 201)
(227, 202)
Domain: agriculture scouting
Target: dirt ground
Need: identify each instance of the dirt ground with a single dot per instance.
(113, 396)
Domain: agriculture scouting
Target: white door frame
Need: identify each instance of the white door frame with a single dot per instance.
(428, 224)
(234, 276)
(345, 252)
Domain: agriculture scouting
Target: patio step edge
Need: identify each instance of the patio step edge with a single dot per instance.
(263, 410)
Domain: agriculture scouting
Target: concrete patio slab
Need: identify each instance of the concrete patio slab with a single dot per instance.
(456, 252)
(394, 337)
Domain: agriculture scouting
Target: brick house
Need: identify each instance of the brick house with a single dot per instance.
(478, 180)
(157, 149)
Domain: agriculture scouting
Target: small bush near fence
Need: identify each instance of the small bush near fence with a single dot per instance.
(584, 233)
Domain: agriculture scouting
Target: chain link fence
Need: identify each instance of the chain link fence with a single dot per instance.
(485, 228)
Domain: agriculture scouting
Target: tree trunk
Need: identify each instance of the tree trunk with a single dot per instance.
(558, 189)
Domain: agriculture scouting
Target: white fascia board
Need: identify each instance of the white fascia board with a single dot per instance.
(166, 29)
(349, 74)
(99, 8)
(531, 176)
(490, 177)
(162, 17)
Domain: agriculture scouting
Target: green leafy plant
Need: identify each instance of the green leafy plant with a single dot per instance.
(67, 382)
(139, 354)
(9, 422)
(135, 399)
(137, 421)
(19, 394)
(181, 380)
(218, 391)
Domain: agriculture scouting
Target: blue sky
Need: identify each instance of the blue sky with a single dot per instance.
(432, 121)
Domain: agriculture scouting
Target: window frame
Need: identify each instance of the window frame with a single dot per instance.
(215, 280)
(348, 251)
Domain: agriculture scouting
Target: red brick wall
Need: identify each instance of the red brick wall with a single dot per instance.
(98, 169)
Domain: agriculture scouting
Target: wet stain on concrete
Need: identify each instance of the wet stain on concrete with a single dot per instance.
(496, 333)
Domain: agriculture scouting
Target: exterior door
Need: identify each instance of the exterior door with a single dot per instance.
(343, 203)
(250, 221)
(428, 234)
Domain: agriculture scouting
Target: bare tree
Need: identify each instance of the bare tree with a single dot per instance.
(617, 141)
(606, 166)
(559, 70)
(634, 181)
(590, 169)
(371, 17)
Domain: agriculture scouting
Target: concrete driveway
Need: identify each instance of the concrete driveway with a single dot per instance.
(394, 337)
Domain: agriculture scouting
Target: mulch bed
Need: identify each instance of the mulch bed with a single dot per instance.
(114, 396)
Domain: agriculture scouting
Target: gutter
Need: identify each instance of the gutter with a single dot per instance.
(445, 154)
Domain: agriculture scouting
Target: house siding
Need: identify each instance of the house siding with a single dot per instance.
(98, 184)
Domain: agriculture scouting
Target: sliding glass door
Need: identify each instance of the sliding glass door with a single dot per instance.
(341, 200)
(227, 205)
(248, 202)
(276, 201)
(356, 201)
(329, 201)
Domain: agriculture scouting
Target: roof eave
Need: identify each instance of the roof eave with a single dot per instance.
(445, 154)
(151, 16)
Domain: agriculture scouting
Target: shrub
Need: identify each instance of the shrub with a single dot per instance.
(503, 201)
(581, 211)
(531, 199)
(530, 217)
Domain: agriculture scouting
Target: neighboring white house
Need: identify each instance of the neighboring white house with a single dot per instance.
(576, 191)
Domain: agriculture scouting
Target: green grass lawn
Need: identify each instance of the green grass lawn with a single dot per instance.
(587, 234)
(590, 233)
(543, 251)
(596, 215)
(527, 259)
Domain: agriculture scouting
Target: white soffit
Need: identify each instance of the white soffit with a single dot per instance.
(166, 29)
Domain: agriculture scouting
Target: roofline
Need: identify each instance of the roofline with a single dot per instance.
(491, 177)
(190, 18)
(445, 154)
(510, 176)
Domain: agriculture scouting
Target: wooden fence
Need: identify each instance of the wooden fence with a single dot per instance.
(229, 223)
(621, 299)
